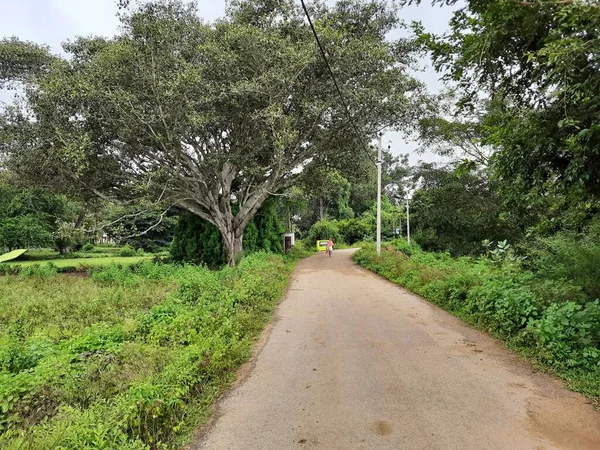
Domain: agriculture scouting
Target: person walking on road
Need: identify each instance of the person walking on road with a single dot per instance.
(330, 246)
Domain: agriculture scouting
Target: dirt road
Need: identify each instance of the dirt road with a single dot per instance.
(356, 363)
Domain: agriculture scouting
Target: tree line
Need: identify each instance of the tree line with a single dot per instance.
(222, 119)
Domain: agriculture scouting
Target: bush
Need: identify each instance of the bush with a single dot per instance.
(9, 269)
(130, 358)
(569, 257)
(323, 230)
(89, 247)
(568, 335)
(354, 230)
(38, 271)
(503, 303)
(127, 251)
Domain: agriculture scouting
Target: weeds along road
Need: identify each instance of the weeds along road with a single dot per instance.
(354, 362)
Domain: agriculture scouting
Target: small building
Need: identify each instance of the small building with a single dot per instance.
(289, 240)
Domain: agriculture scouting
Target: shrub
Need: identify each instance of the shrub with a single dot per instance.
(566, 256)
(38, 271)
(503, 304)
(127, 251)
(8, 269)
(568, 335)
(322, 230)
(354, 230)
(89, 247)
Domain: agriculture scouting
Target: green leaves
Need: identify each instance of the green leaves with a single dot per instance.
(538, 64)
(212, 117)
(21, 61)
(130, 358)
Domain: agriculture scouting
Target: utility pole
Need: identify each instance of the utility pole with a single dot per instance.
(379, 163)
(407, 220)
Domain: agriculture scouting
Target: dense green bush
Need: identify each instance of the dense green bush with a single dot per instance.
(506, 300)
(127, 251)
(570, 258)
(38, 270)
(130, 358)
(355, 230)
(323, 230)
(568, 335)
(198, 241)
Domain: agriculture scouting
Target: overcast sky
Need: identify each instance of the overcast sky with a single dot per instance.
(54, 21)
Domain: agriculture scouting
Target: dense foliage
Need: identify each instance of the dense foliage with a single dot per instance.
(34, 218)
(527, 78)
(455, 209)
(198, 241)
(549, 319)
(127, 359)
(218, 115)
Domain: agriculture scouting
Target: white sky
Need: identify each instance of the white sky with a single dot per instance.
(54, 21)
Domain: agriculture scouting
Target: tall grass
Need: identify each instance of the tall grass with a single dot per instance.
(127, 358)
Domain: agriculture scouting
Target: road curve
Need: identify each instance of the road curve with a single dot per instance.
(354, 362)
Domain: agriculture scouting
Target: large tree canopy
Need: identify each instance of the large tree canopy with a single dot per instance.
(538, 64)
(207, 116)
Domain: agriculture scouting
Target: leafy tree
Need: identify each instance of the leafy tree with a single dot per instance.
(392, 215)
(455, 209)
(212, 118)
(538, 63)
(324, 229)
(23, 232)
(355, 230)
(34, 218)
(198, 241)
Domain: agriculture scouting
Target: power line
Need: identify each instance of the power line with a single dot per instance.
(337, 87)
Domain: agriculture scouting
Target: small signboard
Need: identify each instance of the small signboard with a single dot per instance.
(322, 245)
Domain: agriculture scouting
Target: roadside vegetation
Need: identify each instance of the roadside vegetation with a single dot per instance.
(128, 358)
(232, 132)
(553, 320)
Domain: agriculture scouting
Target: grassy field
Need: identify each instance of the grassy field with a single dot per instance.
(128, 358)
(85, 262)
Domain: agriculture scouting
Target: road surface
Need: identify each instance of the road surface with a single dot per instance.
(354, 362)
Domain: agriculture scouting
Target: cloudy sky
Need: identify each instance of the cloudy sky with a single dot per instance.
(55, 21)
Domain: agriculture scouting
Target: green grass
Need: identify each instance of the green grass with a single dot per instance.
(46, 254)
(86, 262)
(128, 358)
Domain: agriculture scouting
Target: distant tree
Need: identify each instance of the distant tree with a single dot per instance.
(456, 208)
(24, 232)
(35, 218)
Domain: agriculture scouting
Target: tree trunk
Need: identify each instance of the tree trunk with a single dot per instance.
(233, 242)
